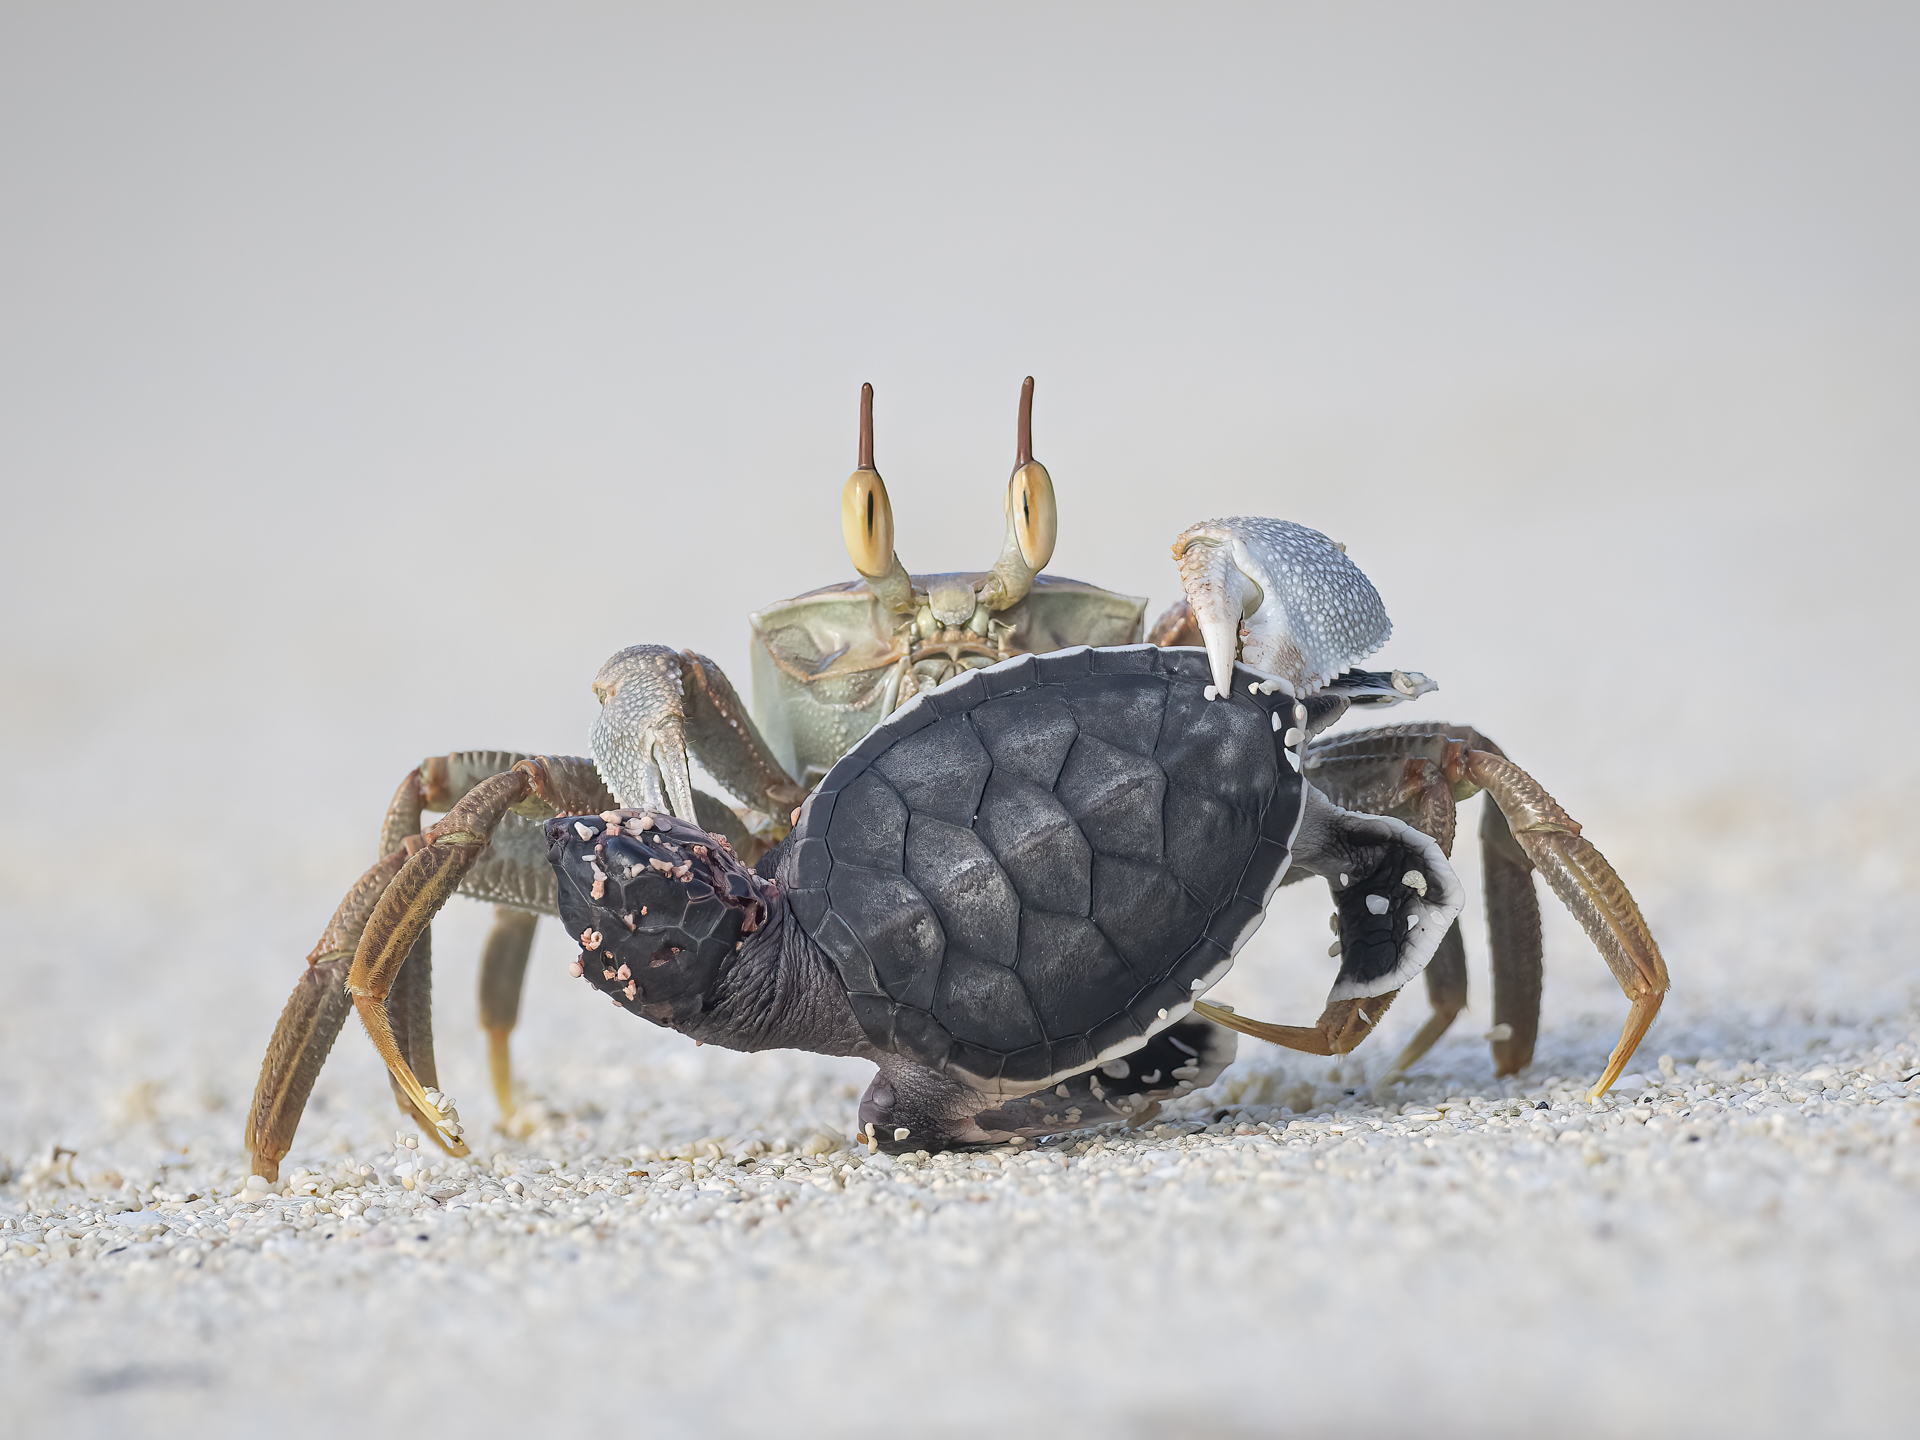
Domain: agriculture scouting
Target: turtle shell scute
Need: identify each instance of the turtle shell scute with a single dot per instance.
(1036, 867)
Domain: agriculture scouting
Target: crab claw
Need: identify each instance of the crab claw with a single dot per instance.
(640, 735)
(1280, 598)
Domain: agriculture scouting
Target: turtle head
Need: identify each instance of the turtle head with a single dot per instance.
(658, 907)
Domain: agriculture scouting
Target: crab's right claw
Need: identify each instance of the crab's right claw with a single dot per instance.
(1281, 598)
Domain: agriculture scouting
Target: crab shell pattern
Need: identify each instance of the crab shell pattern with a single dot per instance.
(1032, 869)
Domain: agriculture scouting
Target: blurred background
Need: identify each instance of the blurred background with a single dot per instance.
(368, 374)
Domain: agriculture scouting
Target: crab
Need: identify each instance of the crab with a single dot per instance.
(1269, 609)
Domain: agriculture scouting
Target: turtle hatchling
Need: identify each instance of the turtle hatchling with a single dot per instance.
(1011, 896)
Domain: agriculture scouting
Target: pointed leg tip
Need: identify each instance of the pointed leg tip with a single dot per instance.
(500, 1066)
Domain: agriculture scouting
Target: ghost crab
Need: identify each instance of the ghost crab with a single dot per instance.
(1279, 601)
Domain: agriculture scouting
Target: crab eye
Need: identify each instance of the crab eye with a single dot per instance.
(1035, 521)
(866, 520)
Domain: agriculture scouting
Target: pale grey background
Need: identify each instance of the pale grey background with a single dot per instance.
(367, 380)
(369, 373)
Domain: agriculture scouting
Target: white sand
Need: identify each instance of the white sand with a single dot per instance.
(363, 389)
(1733, 1250)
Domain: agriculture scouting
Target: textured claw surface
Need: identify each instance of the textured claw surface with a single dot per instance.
(1296, 604)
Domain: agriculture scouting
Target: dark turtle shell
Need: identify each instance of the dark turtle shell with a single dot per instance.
(1031, 869)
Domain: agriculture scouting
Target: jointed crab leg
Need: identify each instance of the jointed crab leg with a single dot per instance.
(409, 1011)
(503, 970)
(1586, 885)
(1446, 977)
(311, 1022)
(429, 877)
(377, 943)
(1341, 1026)
(1514, 949)
(1417, 773)
(502, 860)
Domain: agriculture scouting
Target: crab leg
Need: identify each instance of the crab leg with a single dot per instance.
(1514, 944)
(1415, 790)
(318, 1006)
(1396, 899)
(1446, 976)
(431, 874)
(503, 970)
(310, 1023)
(512, 872)
(1416, 772)
(410, 1012)
(1393, 768)
(1586, 885)
(1341, 1026)
(410, 1006)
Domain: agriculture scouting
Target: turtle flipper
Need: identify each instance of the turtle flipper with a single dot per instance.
(1176, 1061)
(909, 1107)
(1394, 891)
(1396, 898)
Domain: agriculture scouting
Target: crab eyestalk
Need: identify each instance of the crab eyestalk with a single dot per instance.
(1033, 522)
(866, 521)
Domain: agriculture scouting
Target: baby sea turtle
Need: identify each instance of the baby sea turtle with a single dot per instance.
(1011, 895)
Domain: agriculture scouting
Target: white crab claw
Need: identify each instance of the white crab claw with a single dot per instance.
(1217, 595)
(1284, 598)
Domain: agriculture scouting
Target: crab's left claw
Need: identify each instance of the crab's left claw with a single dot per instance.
(655, 702)
(1281, 598)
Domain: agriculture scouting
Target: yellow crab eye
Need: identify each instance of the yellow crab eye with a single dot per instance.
(1035, 521)
(866, 520)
